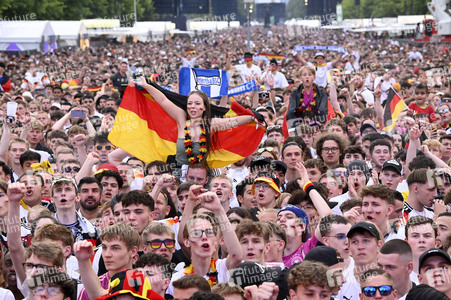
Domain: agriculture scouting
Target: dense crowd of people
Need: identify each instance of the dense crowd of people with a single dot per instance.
(347, 196)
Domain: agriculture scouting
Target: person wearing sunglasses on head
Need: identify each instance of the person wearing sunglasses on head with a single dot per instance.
(377, 284)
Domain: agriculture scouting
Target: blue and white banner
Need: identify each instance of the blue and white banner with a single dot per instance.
(327, 48)
(212, 82)
(244, 88)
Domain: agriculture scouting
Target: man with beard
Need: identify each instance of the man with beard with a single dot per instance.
(90, 190)
(360, 89)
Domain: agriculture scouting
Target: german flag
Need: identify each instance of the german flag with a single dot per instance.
(394, 105)
(271, 56)
(97, 88)
(144, 129)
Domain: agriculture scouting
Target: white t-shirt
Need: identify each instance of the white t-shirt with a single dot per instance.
(247, 74)
(367, 95)
(188, 63)
(321, 73)
(385, 86)
(355, 67)
(280, 81)
(351, 288)
(6, 294)
(340, 199)
(425, 213)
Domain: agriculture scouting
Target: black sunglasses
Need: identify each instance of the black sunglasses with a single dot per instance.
(69, 169)
(384, 290)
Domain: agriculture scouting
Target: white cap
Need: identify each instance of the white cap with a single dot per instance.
(27, 94)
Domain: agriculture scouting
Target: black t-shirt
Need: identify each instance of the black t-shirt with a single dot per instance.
(120, 83)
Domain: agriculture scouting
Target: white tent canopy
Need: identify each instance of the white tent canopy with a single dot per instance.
(68, 32)
(25, 35)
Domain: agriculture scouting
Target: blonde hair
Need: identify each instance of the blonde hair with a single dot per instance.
(310, 69)
(433, 144)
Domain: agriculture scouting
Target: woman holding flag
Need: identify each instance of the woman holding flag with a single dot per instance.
(195, 127)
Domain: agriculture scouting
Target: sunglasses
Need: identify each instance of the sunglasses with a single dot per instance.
(341, 173)
(107, 147)
(442, 111)
(69, 169)
(261, 150)
(384, 290)
(273, 127)
(63, 178)
(156, 244)
(339, 236)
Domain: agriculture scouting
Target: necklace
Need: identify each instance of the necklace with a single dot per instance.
(212, 274)
(308, 101)
(189, 144)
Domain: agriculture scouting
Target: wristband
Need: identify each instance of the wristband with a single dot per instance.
(308, 186)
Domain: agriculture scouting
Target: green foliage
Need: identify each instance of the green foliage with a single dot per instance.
(296, 9)
(77, 10)
(383, 8)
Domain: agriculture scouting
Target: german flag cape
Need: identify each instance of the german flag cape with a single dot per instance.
(393, 107)
(144, 129)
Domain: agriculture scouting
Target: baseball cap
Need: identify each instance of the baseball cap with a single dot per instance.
(260, 162)
(269, 178)
(56, 104)
(364, 226)
(358, 164)
(433, 252)
(27, 94)
(105, 166)
(297, 211)
(319, 54)
(324, 254)
(279, 165)
(394, 165)
(365, 126)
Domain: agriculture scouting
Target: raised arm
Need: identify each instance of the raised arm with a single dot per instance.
(86, 169)
(333, 96)
(4, 142)
(116, 156)
(438, 162)
(337, 60)
(378, 105)
(300, 58)
(229, 123)
(318, 201)
(173, 110)
(193, 199)
(414, 145)
(211, 201)
(16, 192)
(59, 125)
(83, 252)
(229, 62)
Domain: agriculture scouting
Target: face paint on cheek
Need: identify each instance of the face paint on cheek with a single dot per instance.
(378, 212)
(193, 244)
